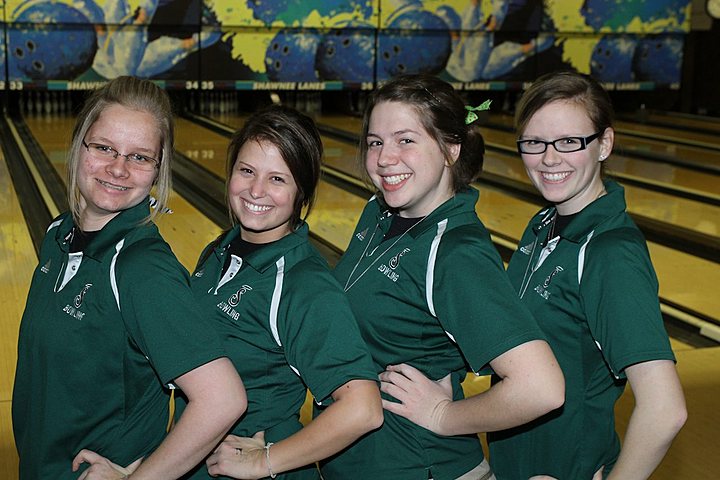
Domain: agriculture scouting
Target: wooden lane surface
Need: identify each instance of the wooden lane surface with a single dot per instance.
(686, 121)
(17, 263)
(669, 134)
(185, 229)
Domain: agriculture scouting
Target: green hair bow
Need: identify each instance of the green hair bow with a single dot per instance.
(471, 115)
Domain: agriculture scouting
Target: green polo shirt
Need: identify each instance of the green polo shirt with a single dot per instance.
(437, 298)
(102, 332)
(595, 295)
(287, 326)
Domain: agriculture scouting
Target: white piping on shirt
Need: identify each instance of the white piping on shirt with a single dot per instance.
(275, 302)
(113, 279)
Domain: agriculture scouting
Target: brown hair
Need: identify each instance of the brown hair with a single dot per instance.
(297, 139)
(568, 86)
(442, 114)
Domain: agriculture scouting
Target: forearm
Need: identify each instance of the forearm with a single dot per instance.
(642, 451)
(216, 399)
(503, 406)
(193, 437)
(339, 425)
(657, 417)
(532, 385)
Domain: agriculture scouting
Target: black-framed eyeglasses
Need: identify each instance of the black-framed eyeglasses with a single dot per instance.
(562, 145)
(107, 153)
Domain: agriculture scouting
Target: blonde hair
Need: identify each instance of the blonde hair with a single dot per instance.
(135, 94)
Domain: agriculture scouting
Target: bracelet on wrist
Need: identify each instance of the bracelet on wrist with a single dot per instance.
(267, 460)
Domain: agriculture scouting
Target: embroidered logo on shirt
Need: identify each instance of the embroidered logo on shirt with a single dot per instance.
(395, 261)
(235, 297)
(199, 273)
(389, 269)
(361, 235)
(81, 296)
(46, 268)
(227, 307)
(542, 290)
(74, 309)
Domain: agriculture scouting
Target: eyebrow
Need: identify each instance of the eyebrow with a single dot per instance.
(395, 133)
(538, 137)
(110, 143)
(274, 173)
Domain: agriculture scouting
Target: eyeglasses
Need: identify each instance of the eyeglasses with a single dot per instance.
(136, 161)
(562, 145)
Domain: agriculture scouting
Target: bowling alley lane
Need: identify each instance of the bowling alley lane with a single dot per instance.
(679, 120)
(185, 229)
(687, 213)
(17, 262)
(669, 134)
(506, 216)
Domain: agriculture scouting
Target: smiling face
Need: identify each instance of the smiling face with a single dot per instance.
(262, 192)
(405, 163)
(108, 187)
(569, 180)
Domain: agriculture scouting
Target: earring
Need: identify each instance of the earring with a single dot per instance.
(602, 157)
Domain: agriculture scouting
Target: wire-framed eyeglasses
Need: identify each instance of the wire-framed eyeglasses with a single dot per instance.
(106, 153)
(562, 145)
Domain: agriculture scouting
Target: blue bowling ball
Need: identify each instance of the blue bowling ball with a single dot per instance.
(267, 10)
(290, 57)
(658, 59)
(416, 41)
(450, 17)
(347, 54)
(51, 41)
(612, 59)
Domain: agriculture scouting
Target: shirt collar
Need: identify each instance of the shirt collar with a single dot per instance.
(605, 207)
(462, 202)
(117, 228)
(265, 257)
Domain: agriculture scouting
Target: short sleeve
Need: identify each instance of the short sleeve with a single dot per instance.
(159, 311)
(619, 292)
(321, 338)
(474, 300)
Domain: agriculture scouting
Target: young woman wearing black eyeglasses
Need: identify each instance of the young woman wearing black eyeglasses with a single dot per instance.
(583, 269)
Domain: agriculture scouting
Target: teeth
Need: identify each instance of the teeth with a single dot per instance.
(114, 187)
(395, 179)
(555, 177)
(256, 208)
